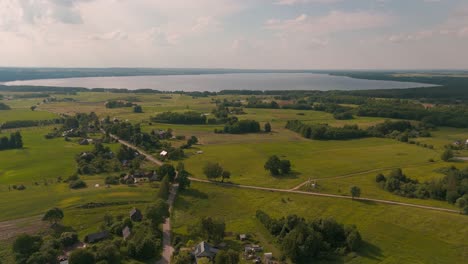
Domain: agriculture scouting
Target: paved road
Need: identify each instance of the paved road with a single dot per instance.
(325, 195)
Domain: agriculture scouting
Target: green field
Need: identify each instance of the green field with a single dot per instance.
(393, 234)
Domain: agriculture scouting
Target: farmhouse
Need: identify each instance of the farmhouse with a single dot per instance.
(96, 237)
(205, 250)
(136, 215)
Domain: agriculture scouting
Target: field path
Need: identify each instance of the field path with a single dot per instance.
(359, 173)
(325, 195)
(29, 225)
(168, 250)
(151, 158)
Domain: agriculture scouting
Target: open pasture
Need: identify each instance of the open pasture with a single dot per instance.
(392, 234)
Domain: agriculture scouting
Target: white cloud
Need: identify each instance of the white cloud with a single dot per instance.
(294, 2)
(335, 21)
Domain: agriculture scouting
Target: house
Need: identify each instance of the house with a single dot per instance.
(136, 215)
(163, 153)
(268, 258)
(128, 179)
(96, 237)
(84, 142)
(141, 179)
(205, 250)
(242, 237)
(126, 232)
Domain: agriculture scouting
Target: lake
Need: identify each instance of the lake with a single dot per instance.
(218, 82)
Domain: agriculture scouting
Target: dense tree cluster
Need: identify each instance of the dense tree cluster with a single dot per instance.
(100, 160)
(276, 166)
(452, 186)
(3, 106)
(326, 132)
(255, 102)
(303, 240)
(15, 141)
(118, 104)
(29, 123)
(452, 116)
(209, 229)
(214, 171)
(235, 126)
(187, 118)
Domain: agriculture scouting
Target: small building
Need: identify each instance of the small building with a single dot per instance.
(163, 153)
(205, 250)
(200, 152)
(242, 237)
(268, 258)
(135, 215)
(84, 142)
(141, 179)
(96, 185)
(96, 237)
(126, 232)
(128, 179)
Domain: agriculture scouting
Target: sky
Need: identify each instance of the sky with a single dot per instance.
(262, 34)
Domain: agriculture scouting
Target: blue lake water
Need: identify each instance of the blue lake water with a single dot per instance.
(218, 82)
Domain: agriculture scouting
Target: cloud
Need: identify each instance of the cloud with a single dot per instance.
(205, 24)
(294, 2)
(333, 22)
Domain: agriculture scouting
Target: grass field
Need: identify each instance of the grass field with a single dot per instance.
(393, 234)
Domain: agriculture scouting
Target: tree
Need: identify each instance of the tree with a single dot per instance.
(267, 127)
(109, 253)
(167, 169)
(355, 192)
(447, 155)
(54, 215)
(25, 245)
(227, 257)
(225, 175)
(108, 219)
(212, 170)
(33, 107)
(183, 180)
(164, 189)
(209, 228)
(462, 204)
(137, 109)
(273, 164)
(157, 212)
(285, 166)
(192, 141)
(183, 257)
(81, 256)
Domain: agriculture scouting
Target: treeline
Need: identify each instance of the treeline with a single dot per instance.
(3, 106)
(30, 123)
(450, 188)
(15, 141)
(326, 132)
(118, 104)
(452, 116)
(187, 118)
(303, 241)
(400, 130)
(235, 126)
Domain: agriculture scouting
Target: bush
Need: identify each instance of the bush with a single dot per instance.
(68, 239)
(78, 184)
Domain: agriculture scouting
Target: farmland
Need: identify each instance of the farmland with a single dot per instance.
(333, 165)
